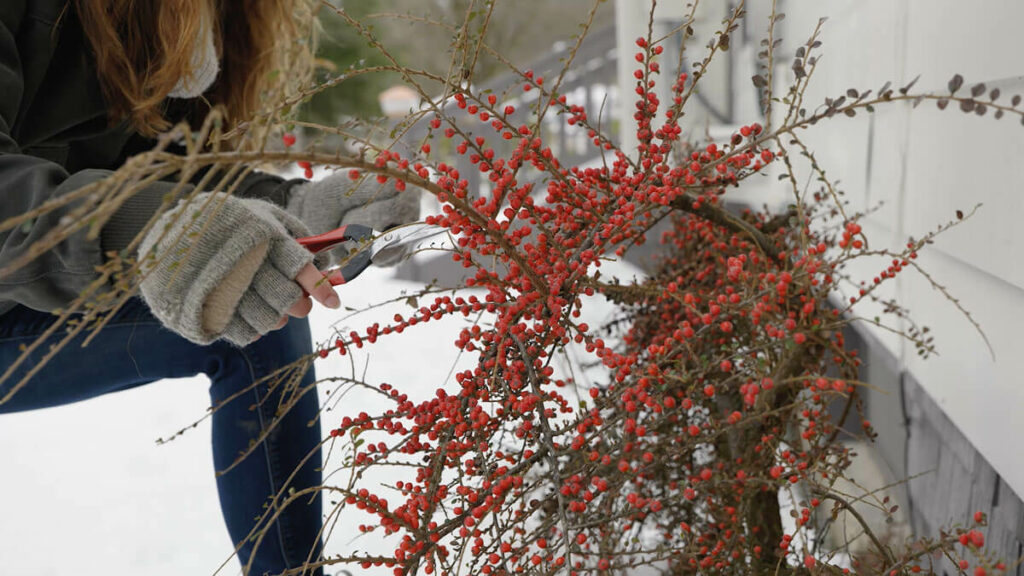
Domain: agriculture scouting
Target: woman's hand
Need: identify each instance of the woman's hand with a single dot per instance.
(311, 280)
(218, 266)
(336, 200)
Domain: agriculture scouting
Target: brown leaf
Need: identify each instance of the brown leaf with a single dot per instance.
(942, 104)
(966, 105)
(994, 94)
(1015, 100)
(851, 93)
(977, 90)
(959, 215)
(759, 81)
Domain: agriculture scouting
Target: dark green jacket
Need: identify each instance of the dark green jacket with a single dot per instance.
(55, 138)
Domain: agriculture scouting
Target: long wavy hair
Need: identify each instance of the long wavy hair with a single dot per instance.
(142, 48)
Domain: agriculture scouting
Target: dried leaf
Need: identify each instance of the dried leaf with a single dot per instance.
(942, 104)
(850, 112)
(966, 105)
(994, 94)
(851, 93)
(884, 87)
(907, 88)
(977, 90)
(1015, 100)
(959, 215)
(955, 83)
(980, 109)
(999, 114)
(759, 81)
(780, 17)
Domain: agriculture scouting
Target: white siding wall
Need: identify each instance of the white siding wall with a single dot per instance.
(925, 164)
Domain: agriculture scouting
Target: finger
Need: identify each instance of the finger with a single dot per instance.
(289, 256)
(315, 283)
(239, 333)
(257, 312)
(278, 290)
(301, 308)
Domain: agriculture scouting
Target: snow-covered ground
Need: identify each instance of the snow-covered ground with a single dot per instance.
(85, 490)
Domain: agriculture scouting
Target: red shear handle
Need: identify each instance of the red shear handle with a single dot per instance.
(320, 242)
(328, 240)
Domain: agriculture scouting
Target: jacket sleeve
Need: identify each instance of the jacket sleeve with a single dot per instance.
(57, 277)
(133, 215)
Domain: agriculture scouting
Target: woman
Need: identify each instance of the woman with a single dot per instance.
(84, 84)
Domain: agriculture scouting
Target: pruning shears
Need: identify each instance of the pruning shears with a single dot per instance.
(389, 247)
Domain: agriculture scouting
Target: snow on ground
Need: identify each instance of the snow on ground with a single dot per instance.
(85, 490)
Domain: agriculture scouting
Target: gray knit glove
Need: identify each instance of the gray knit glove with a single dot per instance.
(230, 274)
(336, 201)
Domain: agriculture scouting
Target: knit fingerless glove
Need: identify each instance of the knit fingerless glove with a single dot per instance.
(335, 201)
(218, 266)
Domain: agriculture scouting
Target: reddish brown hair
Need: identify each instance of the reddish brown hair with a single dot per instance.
(142, 49)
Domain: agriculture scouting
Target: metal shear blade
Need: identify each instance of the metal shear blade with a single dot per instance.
(388, 248)
(399, 243)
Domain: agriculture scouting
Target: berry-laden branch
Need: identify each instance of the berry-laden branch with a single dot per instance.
(682, 417)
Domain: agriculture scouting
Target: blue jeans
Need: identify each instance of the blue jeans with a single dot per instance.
(134, 349)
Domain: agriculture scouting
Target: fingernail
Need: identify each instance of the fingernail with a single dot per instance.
(332, 301)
